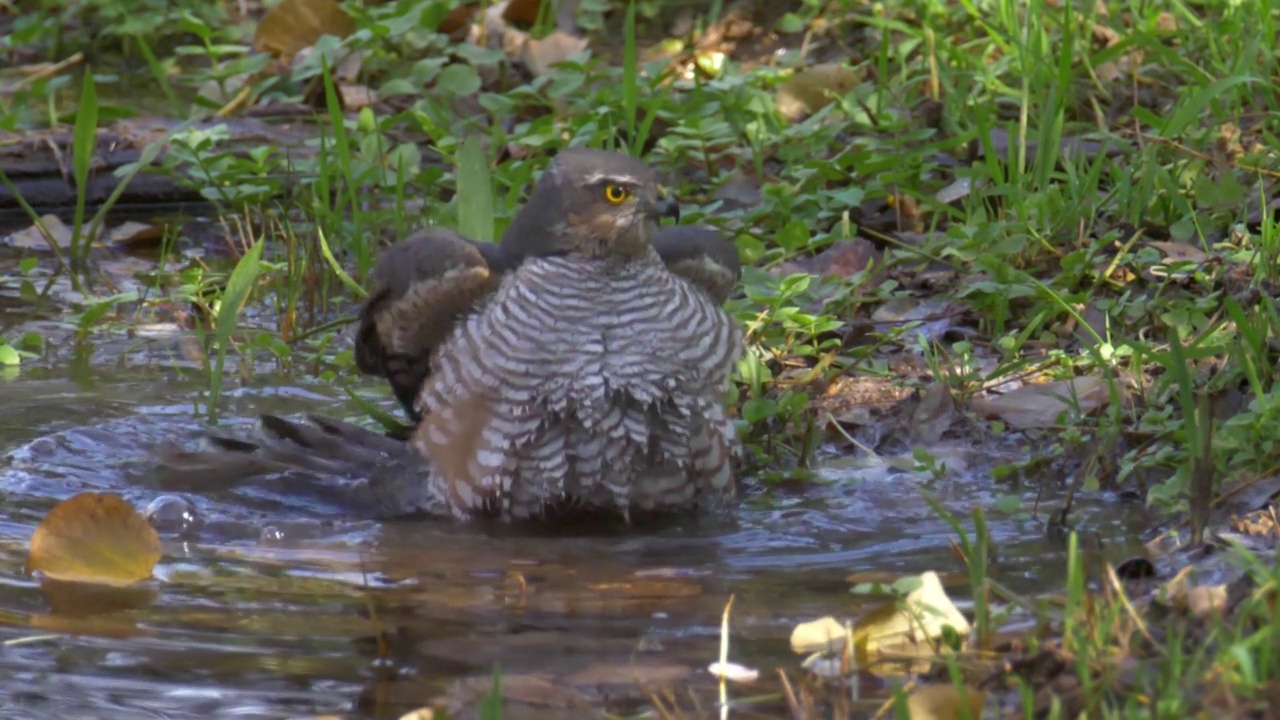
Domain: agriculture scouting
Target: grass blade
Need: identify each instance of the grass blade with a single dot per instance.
(630, 79)
(239, 285)
(347, 281)
(83, 139)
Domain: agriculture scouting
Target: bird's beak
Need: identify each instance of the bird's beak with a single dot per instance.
(667, 205)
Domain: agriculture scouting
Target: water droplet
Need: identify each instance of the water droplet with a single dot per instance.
(173, 514)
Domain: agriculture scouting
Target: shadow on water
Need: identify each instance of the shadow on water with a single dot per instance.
(271, 605)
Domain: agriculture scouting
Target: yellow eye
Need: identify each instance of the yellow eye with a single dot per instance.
(616, 194)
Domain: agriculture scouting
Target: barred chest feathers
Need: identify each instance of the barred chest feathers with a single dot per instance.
(594, 383)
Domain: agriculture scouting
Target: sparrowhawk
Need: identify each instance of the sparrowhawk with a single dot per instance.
(568, 368)
(422, 285)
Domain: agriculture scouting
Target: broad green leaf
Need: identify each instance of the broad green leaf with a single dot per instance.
(475, 191)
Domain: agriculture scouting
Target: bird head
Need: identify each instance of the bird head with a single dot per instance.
(591, 203)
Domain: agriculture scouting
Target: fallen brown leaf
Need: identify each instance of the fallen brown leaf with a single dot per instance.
(1039, 405)
(296, 24)
(540, 54)
(945, 702)
(813, 88)
(32, 238)
(94, 538)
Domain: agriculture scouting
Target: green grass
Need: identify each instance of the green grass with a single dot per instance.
(1129, 649)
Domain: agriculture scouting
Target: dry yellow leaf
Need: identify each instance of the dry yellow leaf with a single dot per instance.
(540, 55)
(945, 702)
(821, 635)
(813, 88)
(294, 25)
(94, 538)
(916, 620)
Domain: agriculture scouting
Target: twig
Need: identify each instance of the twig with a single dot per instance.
(48, 71)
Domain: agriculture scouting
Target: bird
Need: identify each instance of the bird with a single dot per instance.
(421, 286)
(578, 366)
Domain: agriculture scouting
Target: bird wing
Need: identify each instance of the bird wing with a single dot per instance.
(418, 291)
(699, 254)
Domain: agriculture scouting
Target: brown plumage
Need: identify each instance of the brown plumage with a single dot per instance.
(421, 286)
(592, 379)
(418, 291)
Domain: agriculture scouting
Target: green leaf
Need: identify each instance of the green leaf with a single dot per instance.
(475, 191)
(8, 355)
(239, 286)
(790, 23)
(1008, 504)
(490, 706)
(459, 80)
(346, 279)
(1192, 109)
(98, 309)
(388, 421)
(757, 409)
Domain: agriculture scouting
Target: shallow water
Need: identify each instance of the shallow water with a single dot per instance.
(263, 609)
(271, 606)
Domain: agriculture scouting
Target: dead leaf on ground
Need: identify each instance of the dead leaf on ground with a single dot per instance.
(355, 97)
(911, 624)
(634, 673)
(935, 316)
(541, 54)
(932, 417)
(33, 238)
(1179, 252)
(135, 233)
(843, 258)
(456, 19)
(945, 702)
(1204, 601)
(821, 635)
(813, 88)
(521, 12)
(294, 25)
(94, 538)
(1257, 524)
(1040, 405)
(1252, 495)
(535, 692)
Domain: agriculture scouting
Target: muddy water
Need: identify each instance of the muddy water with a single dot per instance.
(268, 606)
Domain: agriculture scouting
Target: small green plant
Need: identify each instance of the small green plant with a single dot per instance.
(228, 310)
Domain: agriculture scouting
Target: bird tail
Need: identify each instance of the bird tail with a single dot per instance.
(362, 471)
